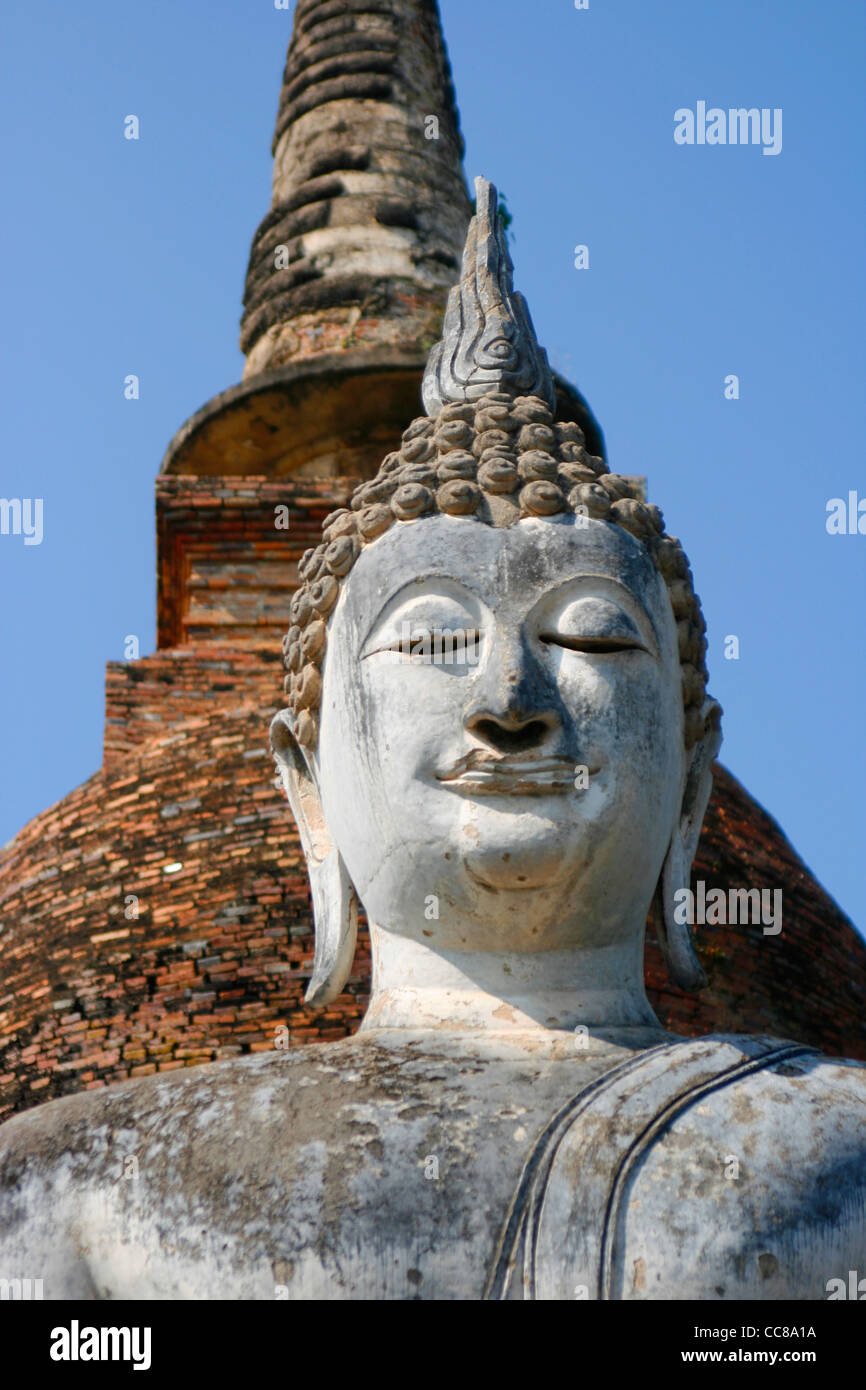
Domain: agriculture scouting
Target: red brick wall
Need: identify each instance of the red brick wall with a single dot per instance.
(224, 568)
(218, 954)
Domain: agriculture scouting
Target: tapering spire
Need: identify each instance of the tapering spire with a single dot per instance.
(350, 271)
(369, 206)
(488, 341)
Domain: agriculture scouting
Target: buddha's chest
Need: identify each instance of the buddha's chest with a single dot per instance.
(328, 1182)
(423, 1204)
(383, 1199)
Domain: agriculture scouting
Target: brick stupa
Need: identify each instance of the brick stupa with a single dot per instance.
(158, 917)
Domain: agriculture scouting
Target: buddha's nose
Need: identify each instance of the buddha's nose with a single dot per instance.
(512, 707)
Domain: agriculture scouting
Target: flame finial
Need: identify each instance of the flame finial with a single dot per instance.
(488, 341)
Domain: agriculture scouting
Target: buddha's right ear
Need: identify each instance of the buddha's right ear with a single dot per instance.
(673, 934)
(335, 904)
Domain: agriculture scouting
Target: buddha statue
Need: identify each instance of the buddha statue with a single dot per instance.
(498, 740)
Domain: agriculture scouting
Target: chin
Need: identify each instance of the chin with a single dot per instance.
(534, 854)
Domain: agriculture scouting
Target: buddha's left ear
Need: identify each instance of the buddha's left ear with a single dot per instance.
(674, 936)
(335, 905)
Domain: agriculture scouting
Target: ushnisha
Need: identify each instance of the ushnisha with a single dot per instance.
(511, 1122)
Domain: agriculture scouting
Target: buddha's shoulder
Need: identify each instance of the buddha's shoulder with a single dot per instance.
(767, 1134)
(726, 1166)
(792, 1073)
(248, 1085)
(306, 1094)
(774, 1089)
(698, 1118)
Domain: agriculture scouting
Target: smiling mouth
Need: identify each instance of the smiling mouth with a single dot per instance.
(489, 774)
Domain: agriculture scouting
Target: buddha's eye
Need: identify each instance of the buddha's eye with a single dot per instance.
(433, 622)
(595, 626)
(590, 644)
(431, 646)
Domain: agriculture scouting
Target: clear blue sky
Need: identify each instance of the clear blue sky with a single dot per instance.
(123, 257)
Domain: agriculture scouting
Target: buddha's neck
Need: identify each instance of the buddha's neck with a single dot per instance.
(538, 993)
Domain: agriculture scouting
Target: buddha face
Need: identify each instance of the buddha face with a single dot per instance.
(500, 761)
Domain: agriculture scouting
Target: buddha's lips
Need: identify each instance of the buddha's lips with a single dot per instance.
(491, 774)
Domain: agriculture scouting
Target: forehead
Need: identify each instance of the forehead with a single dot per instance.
(510, 567)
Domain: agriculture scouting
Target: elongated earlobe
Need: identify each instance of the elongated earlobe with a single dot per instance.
(335, 904)
(674, 936)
